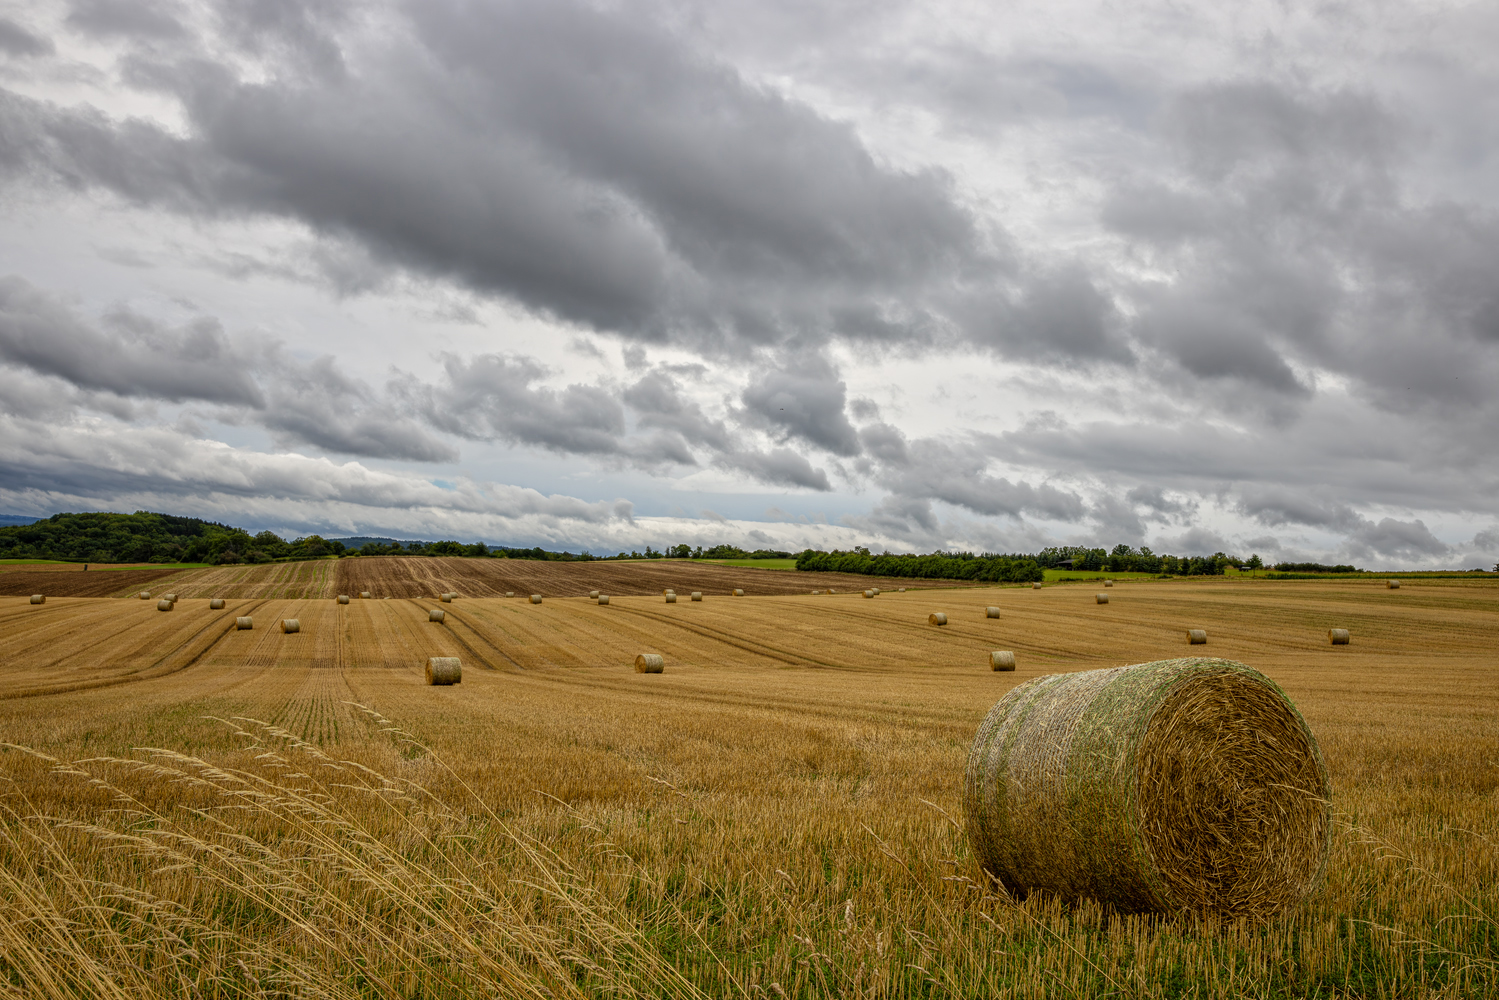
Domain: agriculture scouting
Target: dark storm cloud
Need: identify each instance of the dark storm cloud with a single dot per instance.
(659, 403)
(1060, 315)
(15, 40)
(778, 467)
(804, 399)
(1274, 507)
(1396, 539)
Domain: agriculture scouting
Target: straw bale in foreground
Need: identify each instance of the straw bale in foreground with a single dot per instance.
(343, 598)
(991, 612)
(1196, 636)
(38, 599)
(161, 605)
(437, 615)
(1181, 785)
(244, 622)
(936, 618)
(1102, 598)
(217, 604)
(290, 625)
(1002, 659)
(535, 598)
(649, 663)
(603, 599)
(671, 598)
(444, 670)
(1338, 636)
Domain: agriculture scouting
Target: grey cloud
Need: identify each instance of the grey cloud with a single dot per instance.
(804, 399)
(931, 469)
(16, 41)
(153, 19)
(658, 401)
(1487, 541)
(1161, 506)
(779, 467)
(1059, 315)
(1397, 539)
(1275, 507)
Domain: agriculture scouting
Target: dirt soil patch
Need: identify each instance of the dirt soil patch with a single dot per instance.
(21, 583)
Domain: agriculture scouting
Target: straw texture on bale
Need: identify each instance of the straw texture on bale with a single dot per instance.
(244, 622)
(868, 593)
(1392, 584)
(1002, 659)
(1102, 598)
(145, 595)
(738, 592)
(170, 597)
(697, 595)
(38, 599)
(991, 612)
(1108, 583)
(436, 615)
(671, 598)
(445, 598)
(1338, 636)
(649, 663)
(1180, 785)
(603, 599)
(936, 618)
(162, 605)
(1196, 636)
(290, 625)
(217, 604)
(364, 594)
(593, 594)
(1035, 585)
(535, 598)
(509, 593)
(876, 591)
(343, 598)
(444, 670)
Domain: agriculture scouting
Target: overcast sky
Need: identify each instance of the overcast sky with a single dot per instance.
(908, 275)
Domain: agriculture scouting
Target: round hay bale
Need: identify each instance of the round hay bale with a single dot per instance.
(876, 591)
(244, 623)
(868, 593)
(1338, 636)
(437, 615)
(445, 598)
(901, 590)
(343, 598)
(991, 612)
(671, 598)
(145, 595)
(170, 597)
(1035, 585)
(535, 598)
(444, 670)
(1102, 598)
(1196, 637)
(649, 663)
(509, 593)
(697, 595)
(603, 600)
(364, 595)
(1392, 584)
(594, 594)
(936, 618)
(217, 604)
(38, 599)
(290, 625)
(738, 592)
(161, 605)
(815, 593)
(1181, 785)
(1002, 659)
(1108, 583)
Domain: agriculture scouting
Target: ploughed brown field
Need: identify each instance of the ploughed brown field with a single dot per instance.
(777, 814)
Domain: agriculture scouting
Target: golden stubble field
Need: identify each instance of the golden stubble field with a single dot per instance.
(210, 812)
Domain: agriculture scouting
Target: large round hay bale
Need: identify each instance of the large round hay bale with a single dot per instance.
(145, 595)
(936, 618)
(38, 599)
(649, 663)
(343, 598)
(535, 598)
(1338, 636)
(1002, 659)
(869, 593)
(738, 592)
(437, 615)
(444, 670)
(671, 598)
(1392, 584)
(170, 597)
(603, 600)
(290, 625)
(991, 612)
(816, 593)
(161, 605)
(244, 622)
(217, 604)
(1196, 636)
(509, 593)
(1108, 583)
(1035, 585)
(364, 595)
(697, 595)
(445, 598)
(876, 591)
(1181, 785)
(1102, 598)
(594, 594)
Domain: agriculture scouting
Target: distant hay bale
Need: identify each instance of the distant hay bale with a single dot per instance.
(832, 591)
(1189, 785)
(815, 593)
(649, 663)
(1102, 598)
(145, 595)
(697, 595)
(170, 597)
(1338, 636)
(217, 604)
(594, 594)
(535, 598)
(671, 598)
(437, 615)
(1196, 636)
(38, 599)
(936, 618)
(738, 592)
(901, 590)
(444, 670)
(364, 595)
(161, 605)
(1035, 585)
(445, 598)
(1392, 584)
(603, 600)
(876, 591)
(1002, 659)
(290, 625)
(1108, 583)
(991, 612)
(343, 598)
(244, 622)
(868, 593)
(509, 593)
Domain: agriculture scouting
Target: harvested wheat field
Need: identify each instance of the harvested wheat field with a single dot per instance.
(776, 814)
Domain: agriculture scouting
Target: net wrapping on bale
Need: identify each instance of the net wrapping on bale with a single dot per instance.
(1180, 785)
